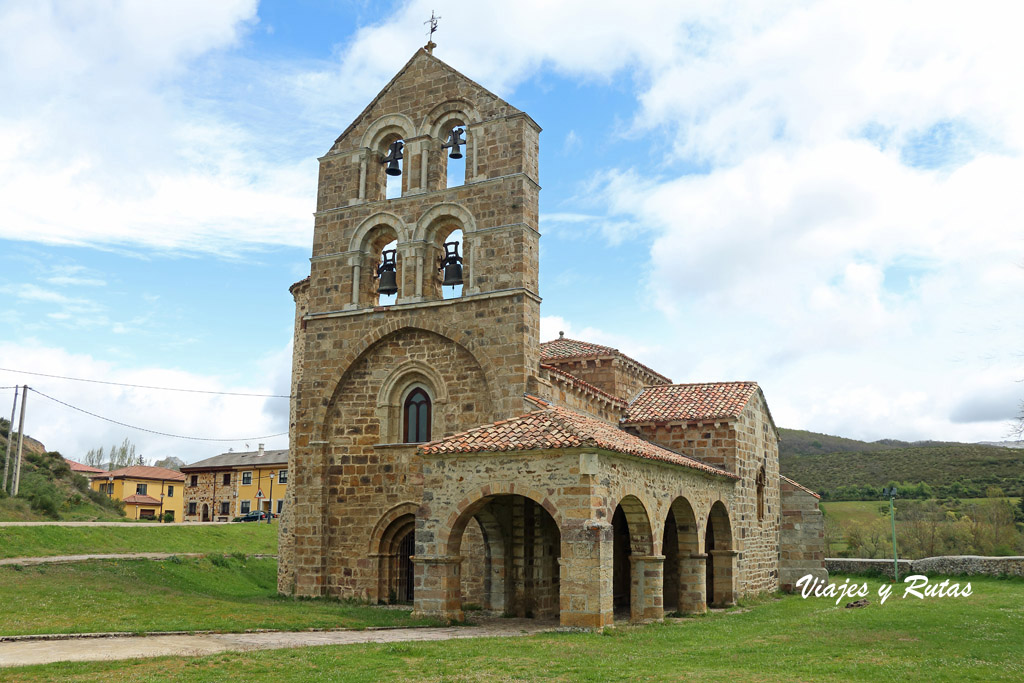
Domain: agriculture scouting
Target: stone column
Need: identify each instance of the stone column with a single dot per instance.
(585, 576)
(437, 592)
(646, 587)
(725, 577)
(692, 584)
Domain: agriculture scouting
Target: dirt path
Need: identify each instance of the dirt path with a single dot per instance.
(23, 652)
(54, 559)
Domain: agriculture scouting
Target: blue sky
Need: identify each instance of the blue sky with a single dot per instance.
(819, 198)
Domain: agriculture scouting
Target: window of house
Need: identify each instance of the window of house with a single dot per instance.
(147, 514)
(140, 489)
(282, 477)
(225, 507)
(192, 508)
(246, 478)
(170, 492)
(417, 417)
(194, 481)
(226, 481)
(244, 509)
(280, 506)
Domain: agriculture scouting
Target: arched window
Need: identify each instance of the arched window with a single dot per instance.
(416, 420)
(761, 481)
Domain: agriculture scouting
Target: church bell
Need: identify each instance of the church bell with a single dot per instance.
(394, 154)
(451, 264)
(454, 141)
(386, 272)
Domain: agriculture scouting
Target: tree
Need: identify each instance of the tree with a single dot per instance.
(94, 457)
(124, 455)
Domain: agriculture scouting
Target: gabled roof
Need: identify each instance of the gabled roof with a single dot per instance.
(690, 402)
(139, 499)
(563, 349)
(142, 472)
(240, 459)
(82, 469)
(579, 383)
(420, 53)
(798, 486)
(556, 427)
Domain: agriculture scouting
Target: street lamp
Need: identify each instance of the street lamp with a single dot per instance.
(890, 493)
(270, 512)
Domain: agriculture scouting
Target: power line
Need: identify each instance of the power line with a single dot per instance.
(144, 386)
(151, 431)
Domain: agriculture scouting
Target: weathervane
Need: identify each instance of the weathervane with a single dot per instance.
(430, 34)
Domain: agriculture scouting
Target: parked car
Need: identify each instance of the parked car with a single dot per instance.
(254, 516)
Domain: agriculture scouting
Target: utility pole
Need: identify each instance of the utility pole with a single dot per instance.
(10, 440)
(21, 441)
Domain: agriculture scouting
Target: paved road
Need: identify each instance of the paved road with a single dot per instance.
(25, 652)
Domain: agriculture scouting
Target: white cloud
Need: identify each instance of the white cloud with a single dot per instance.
(191, 414)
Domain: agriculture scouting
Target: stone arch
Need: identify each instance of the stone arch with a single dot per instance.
(633, 561)
(389, 544)
(375, 335)
(684, 584)
(434, 121)
(432, 229)
(433, 217)
(397, 385)
(523, 542)
(385, 126)
(475, 500)
(361, 235)
(720, 571)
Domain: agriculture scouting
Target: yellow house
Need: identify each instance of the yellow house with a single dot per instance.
(230, 485)
(147, 492)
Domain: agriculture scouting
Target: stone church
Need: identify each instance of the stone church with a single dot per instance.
(442, 456)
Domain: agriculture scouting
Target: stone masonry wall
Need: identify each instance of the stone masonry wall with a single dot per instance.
(802, 537)
(947, 565)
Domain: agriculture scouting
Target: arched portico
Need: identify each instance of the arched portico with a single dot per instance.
(720, 579)
(684, 586)
(636, 570)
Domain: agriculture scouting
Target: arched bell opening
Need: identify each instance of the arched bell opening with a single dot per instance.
(395, 568)
(632, 545)
(721, 558)
(518, 573)
(446, 251)
(454, 145)
(392, 155)
(683, 587)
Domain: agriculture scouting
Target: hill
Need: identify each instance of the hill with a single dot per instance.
(847, 469)
(50, 490)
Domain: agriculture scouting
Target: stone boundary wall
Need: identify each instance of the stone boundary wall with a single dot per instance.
(953, 565)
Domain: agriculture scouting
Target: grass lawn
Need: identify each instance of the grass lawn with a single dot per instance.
(229, 594)
(867, 511)
(41, 541)
(939, 639)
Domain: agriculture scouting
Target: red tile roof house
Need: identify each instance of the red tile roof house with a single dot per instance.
(441, 455)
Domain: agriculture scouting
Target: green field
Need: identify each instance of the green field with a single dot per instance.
(216, 593)
(867, 511)
(45, 541)
(791, 639)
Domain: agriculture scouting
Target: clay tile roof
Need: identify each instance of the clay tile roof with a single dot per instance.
(556, 427)
(799, 486)
(564, 348)
(138, 499)
(83, 469)
(690, 402)
(143, 472)
(576, 381)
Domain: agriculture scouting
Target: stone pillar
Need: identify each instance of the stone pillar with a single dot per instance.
(646, 587)
(725, 577)
(692, 584)
(585, 581)
(438, 591)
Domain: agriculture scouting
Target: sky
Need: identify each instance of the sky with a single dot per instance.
(823, 197)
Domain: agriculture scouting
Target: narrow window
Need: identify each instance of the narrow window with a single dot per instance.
(456, 161)
(140, 489)
(453, 266)
(280, 506)
(417, 417)
(244, 509)
(387, 274)
(191, 508)
(227, 479)
(393, 167)
(761, 480)
(170, 492)
(225, 507)
(282, 477)
(195, 480)
(246, 478)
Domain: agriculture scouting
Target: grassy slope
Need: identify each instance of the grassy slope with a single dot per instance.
(780, 640)
(45, 541)
(188, 594)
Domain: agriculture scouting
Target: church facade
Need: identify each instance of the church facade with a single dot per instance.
(441, 455)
